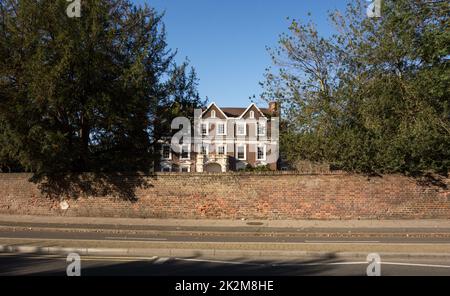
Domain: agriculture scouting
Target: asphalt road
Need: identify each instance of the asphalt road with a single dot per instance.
(26, 264)
(13, 264)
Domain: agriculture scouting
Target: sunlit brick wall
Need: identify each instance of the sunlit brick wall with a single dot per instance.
(266, 195)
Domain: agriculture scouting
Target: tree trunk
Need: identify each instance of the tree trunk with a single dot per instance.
(84, 134)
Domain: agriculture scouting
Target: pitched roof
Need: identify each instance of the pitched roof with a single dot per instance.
(232, 111)
(209, 106)
(236, 112)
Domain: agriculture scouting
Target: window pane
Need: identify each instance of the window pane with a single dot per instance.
(204, 150)
(261, 129)
(241, 152)
(221, 128)
(204, 129)
(184, 151)
(241, 129)
(260, 152)
(166, 151)
(221, 150)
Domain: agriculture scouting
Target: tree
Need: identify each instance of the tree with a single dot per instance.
(372, 98)
(82, 94)
(181, 100)
(7, 164)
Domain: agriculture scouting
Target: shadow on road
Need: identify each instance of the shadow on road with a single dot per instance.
(194, 266)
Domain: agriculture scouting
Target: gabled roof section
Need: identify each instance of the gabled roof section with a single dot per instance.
(218, 108)
(233, 111)
(248, 108)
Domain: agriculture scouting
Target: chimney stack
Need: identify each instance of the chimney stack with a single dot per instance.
(274, 108)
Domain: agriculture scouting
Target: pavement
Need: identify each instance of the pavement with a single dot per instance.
(418, 246)
(422, 223)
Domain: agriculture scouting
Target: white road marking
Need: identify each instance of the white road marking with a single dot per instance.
(216, 261)
(86, 258)
(314, 263)
(161, 260)
(117, 259)
(135, 238)
(415, 264)
(321, 263)
(339, 242)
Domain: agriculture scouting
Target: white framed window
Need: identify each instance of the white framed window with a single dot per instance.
(221, 149)
(261, 152)
(241, 152)
(185, 169)
(241, 128)
(185, 152)
(213, 114)
(261, 128)
(252, 114)
(166, 152)
(221, 129)
(204, 149)
(204, 129)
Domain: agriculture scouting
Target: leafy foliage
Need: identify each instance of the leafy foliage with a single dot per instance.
(84, 94)
(258, 168)
(372, 98)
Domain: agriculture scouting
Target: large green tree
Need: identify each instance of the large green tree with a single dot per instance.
(181, 100)
(82, 94)
(375, 97)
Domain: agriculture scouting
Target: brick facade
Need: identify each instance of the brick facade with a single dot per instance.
(225, 139)
(266, 195)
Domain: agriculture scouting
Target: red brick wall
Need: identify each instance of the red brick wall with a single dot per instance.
(268, 195)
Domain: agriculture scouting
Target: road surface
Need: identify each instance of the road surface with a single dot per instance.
(14, 264)
(422, 247)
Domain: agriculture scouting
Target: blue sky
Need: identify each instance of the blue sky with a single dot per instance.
(225, 40)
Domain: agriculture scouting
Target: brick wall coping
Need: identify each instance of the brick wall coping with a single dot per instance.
(162, 174)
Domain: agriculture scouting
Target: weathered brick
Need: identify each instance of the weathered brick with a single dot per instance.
(271, 195)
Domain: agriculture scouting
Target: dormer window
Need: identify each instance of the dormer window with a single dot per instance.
(252, 114)
(213, 114)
